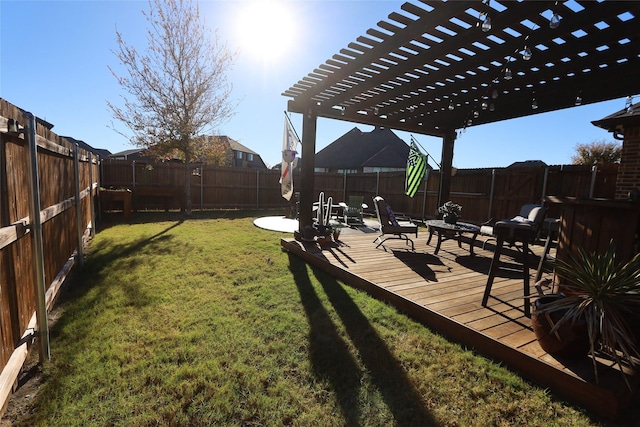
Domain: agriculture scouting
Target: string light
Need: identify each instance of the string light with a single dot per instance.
(451, 106)
(578, 99)
(534, 104)
(484, 19)
(628, 104)
(486, 24)
(507, 74)
(554, 22)
(526, 53)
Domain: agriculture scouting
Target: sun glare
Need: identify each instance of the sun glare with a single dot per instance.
(266, 29)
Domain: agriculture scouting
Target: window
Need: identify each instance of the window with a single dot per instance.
(250, 157)
(239, 155)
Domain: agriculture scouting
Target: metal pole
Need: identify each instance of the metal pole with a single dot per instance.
(35, 225)
(92, 207)
(377, 183)
(493, 184)
(344, 185)
(594, 172)
(78, 203)
(424, 201)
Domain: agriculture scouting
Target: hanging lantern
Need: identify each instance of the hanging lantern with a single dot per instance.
(289, 155)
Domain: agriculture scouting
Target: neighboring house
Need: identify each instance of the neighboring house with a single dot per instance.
(101, 152)
(244, 157)
(237, 154)
(380, 150)
(528, 164)
(137, 154)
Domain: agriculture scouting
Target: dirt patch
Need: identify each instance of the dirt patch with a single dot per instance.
(22, 402)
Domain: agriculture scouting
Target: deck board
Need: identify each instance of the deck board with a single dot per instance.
(445, 293)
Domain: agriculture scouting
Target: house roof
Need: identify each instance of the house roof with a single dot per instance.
(127, 153)
(98, 151)
(356, 149)
(405, 73)
(235, 145)
(617, 121)
(528, 164)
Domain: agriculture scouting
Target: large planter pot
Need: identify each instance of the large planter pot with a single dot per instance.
(571, 341)
(450, 218)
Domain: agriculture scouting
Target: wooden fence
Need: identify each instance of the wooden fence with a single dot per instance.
(483, 193)
(42, 230)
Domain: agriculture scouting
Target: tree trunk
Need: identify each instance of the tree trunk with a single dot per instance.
(187, 186)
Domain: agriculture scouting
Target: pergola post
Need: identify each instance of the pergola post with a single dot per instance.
(446, 163)
(305, 212)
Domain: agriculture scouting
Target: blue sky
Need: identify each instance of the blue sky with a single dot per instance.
(54, 57)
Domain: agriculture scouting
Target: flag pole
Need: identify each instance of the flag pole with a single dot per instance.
(291, 125)
(425, 150)
(424, 199)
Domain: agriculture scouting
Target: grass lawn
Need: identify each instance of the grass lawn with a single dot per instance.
(207, 321)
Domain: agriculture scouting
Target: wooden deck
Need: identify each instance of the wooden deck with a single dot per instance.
(445, 292)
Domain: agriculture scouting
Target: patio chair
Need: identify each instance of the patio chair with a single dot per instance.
(353, 210)
(530, 217)
(390, 228)
(518, 231)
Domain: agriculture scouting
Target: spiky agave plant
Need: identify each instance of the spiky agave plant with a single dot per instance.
(604, 294)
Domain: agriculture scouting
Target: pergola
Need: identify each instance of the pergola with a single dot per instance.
(436, 67)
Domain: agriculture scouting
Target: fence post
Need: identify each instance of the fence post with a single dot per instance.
(594, 172)
(92, 211)
(78, 203)
(544, 182)
(257, 188)
(493, 184)
(133, 166)
(36, 233)
(201, 186)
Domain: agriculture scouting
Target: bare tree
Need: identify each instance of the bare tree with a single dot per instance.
(178, 88)
(596, 152)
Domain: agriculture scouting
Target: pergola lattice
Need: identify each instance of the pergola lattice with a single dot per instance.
(431, 69)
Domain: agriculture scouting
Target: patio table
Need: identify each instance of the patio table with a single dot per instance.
(446, 231)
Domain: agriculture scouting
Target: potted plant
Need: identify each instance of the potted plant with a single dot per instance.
(337, 229)
(450, 212)
(602, 294)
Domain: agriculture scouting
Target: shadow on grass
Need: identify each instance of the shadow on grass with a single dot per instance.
(101, 262)
(332, 360)
(330, 356)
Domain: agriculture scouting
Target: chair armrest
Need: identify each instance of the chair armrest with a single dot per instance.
(488, 222)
